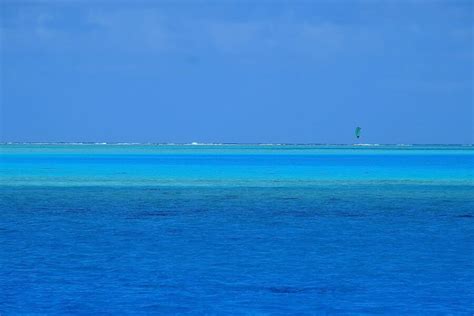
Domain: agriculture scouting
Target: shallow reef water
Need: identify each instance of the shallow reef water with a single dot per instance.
(236, 229)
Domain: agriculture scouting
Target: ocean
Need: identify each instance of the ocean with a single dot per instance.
(236, 229)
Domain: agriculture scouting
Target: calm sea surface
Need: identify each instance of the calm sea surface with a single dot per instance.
(88, 229)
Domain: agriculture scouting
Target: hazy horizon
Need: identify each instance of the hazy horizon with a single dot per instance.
(226, 144)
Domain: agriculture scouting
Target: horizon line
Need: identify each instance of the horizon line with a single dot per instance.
(231, 143)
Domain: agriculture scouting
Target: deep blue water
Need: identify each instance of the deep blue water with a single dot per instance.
(236, 230)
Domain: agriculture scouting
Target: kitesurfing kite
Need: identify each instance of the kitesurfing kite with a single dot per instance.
(357, 131)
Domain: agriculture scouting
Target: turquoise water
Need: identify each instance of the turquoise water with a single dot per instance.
(236, 229)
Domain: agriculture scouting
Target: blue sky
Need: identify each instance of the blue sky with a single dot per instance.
(237, 71)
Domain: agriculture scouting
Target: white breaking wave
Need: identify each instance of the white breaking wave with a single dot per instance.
(204, 144)
(368, 145)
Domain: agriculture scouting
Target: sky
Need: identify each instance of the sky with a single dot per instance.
(237, 71)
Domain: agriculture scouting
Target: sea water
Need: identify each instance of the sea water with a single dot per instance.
(236, 229)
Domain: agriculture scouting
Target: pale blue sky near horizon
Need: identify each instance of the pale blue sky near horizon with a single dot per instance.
(237, 71)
